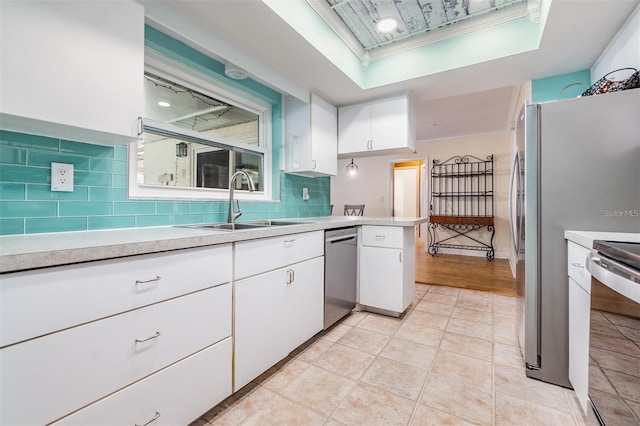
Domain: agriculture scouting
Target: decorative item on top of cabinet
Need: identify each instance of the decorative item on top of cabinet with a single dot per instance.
(461, 204)
(58, 74)
(378, 127)
(311, 137)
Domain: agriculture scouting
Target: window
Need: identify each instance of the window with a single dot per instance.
(196, 134)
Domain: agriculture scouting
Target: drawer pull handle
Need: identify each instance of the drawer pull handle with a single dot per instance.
(380, 237)
(152, 420)
(289, 242)
(157, 278)
(577, 264)
(155, 336)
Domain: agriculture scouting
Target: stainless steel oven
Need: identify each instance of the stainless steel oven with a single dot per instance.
(614, 333)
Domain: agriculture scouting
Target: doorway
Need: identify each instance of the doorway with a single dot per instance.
(408, 190)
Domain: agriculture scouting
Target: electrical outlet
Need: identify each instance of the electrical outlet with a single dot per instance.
(305, 193)
(62, 177)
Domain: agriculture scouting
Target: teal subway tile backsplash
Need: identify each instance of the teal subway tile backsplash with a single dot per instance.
(121, 153)
(55, 224)
(45, 158)
(100, 201)
(28, 209)
(11, 226)
(12, 155)
(43, 192)
(111, 222)
(108, 166)
(107, 194)
(134, 207)
(25, 174)
(154, 220)
(90, 150)
(85, 209)
(12, 191)
(28, 141)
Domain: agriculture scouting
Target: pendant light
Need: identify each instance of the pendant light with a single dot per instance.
(352, 169)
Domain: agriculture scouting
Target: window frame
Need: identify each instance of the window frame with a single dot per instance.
(208, 85)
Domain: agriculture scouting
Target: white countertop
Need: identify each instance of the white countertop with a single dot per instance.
(22, 252)
(586, 238)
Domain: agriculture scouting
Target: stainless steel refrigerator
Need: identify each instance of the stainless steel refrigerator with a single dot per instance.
(577, 167)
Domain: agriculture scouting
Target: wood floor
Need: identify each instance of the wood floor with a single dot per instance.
(476, 273)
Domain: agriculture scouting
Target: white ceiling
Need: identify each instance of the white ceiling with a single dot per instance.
(465, 101)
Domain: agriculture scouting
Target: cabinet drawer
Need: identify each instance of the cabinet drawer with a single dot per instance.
(205, 377)
(577, 265)
(382, 236)
(254, 257)
(64, 371)
(35, 303)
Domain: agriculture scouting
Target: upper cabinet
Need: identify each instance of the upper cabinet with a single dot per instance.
(73, 70)
(311, 137)
(379, 127)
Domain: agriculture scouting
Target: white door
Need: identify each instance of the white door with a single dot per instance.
(406, 191)
(305, 301)
(381, 278)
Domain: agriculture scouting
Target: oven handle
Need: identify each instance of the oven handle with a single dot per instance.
(603, 271)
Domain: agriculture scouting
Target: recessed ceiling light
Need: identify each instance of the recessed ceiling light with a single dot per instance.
(164, 104)
(386, 25)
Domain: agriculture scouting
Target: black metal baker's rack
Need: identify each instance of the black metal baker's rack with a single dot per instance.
(462, 202)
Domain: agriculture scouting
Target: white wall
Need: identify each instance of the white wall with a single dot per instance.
(623, 51)
(372, 185)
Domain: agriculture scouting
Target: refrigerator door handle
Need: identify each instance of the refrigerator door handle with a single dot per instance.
(515, 235)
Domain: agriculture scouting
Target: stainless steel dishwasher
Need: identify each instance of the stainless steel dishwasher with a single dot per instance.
(340, 273)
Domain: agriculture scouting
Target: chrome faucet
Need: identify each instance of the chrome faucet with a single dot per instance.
(235, 213)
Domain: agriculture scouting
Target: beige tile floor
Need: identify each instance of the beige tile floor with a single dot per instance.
(451, 359)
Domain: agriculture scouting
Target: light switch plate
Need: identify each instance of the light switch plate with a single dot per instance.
(62, 177)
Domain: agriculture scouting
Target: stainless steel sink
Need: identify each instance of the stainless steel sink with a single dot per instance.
(239, 225)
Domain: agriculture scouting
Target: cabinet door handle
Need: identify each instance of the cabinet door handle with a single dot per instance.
(150, 280)
(314, 164)
(400, 257)
(140, 127)
(155, 336)
(293, 275)
(289, 243)
(152, 420)
(380, 237)
(577, 264)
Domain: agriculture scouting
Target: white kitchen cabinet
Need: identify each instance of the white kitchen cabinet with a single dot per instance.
(67, 370)
(386, 268)
(579, 320)
(276, 310)
(73, 70)
(377, 127)
(103, 288)
(92, 329)
(204, 378)
(311, 137)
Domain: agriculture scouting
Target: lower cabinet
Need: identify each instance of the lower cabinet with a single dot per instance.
(176, 395)
(46, 378)
(275, 312)
(579, 320)
(386, 272)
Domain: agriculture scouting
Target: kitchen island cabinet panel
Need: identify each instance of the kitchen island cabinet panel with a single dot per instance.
(76, 294)
(62, 372)
(66, 74)
(174, 396)
(386, 268)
